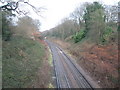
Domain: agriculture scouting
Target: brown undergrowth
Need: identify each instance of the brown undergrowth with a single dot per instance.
(100, 61)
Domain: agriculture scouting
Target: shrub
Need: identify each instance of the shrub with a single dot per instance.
(21, 58)
(106, 35)
(79, 36)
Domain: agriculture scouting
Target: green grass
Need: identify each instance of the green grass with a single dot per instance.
(21, 59)
(50, 58)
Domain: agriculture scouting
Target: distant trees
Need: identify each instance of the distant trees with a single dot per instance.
(25, 25)
(77, 15)
(119, 16)
(5, 19)
(68, 28)
(111, 13)
(63, 30)
(93, 21)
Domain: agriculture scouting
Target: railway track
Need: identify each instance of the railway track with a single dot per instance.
(66, 72)
(83, 79)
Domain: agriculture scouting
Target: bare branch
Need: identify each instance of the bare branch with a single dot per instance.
(10, 6)
(14, 6)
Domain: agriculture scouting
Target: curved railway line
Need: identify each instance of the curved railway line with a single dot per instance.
(66, 72)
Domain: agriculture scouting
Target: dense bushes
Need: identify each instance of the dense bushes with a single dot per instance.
(79, 36)
(21, 59)
(21, 56)
(106, 35)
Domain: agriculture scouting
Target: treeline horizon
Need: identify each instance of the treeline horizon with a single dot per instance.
(94, 21)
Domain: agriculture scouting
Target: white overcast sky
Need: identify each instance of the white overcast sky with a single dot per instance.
(56, 10)
(59, 9)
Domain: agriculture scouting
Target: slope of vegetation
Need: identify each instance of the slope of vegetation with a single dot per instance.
(90, 35)
(22, 53)
(21, 59)
(24, 56)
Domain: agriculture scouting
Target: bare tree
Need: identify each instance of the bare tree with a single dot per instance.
(11, 5)
(78, 13)
(111, 13)
(118, 16)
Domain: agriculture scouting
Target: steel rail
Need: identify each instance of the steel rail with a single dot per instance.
(76, 68)
(76, 75)
(66, 79)
(56, 75)
(65, 73)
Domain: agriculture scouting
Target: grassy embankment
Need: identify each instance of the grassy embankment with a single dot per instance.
(25, 58)
(21, 58)
(45, 72)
